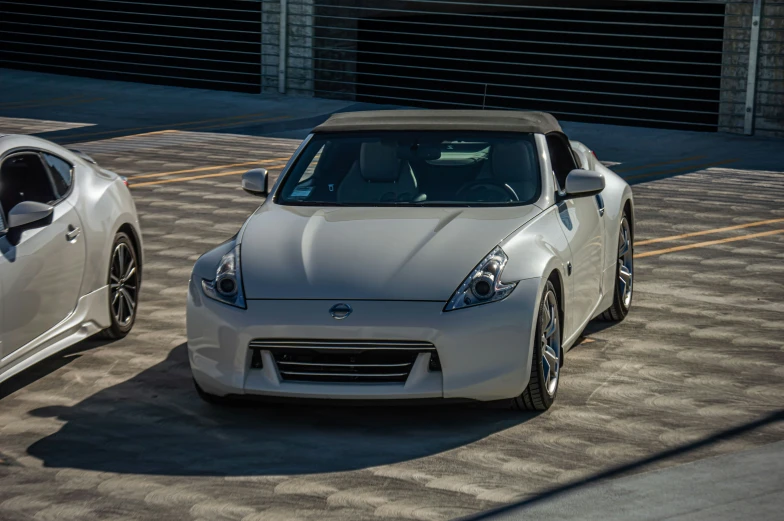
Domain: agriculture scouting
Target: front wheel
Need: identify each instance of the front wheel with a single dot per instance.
(546, 359)
(124, 282)
(624, 275)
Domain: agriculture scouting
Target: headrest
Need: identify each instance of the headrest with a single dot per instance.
(513, 161)
(378, 162)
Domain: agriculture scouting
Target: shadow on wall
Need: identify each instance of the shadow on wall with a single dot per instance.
(155, 424)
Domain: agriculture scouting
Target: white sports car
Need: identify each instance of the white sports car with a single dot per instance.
(70, 251)
(415, 254)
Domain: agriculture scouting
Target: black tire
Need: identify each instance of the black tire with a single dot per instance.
(212, 399)
(621, 302)
(122, 321)
(541, 391)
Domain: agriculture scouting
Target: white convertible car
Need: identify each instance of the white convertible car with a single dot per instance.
(415, 255)
(70, 251)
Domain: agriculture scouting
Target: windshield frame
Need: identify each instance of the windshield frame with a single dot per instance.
(308, 142)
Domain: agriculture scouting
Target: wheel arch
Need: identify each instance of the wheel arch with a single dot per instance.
(628, 210)
(556, 278)
(133, 234)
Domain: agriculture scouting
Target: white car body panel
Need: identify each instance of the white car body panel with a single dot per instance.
(53, 291)
(363, 264)
(397, 268)
(579, 221)
(43, 276)
(218, 341)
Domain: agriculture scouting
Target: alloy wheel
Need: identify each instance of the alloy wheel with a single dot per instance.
(123, 284)
(625, 264)
(551, 343)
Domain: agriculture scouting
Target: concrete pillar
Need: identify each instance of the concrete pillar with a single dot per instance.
(769, 99)
(299, 47)
(769, 120)
(735, 63)
(270, 19)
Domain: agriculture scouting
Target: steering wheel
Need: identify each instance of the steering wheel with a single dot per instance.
(487, 190)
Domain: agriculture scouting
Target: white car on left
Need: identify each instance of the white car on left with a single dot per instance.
(70, 251)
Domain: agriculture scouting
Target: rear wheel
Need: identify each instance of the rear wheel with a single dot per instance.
(546, 359)
(124, 281)
(624, 275)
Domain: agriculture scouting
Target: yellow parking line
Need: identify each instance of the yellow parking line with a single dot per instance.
(204, 168)
(191, 178)
(707, 232)
(643, 167)
(184, 123)
(234, 123)
(695, 168)
(707, 243)
(145, 134)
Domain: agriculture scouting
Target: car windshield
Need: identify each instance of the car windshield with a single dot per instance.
(414, 169)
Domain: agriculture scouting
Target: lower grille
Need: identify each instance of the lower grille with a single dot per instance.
(347, 361)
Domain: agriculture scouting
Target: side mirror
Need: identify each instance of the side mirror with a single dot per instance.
(255, 181)
(583, 183)
(29, 214)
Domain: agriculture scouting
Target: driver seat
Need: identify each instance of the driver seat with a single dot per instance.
(379, 175)
(515, 165)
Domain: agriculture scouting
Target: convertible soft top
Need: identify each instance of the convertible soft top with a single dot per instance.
(486, 120)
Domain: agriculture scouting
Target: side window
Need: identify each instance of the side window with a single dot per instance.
(62, 173)
(23, 177)
(561, 158)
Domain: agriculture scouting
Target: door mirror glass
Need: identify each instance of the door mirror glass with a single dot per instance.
(582, 183)
(29, 214)
(255, 181)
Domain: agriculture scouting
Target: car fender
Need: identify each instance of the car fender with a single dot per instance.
(104, 205)
(537, 250)
(616, 194)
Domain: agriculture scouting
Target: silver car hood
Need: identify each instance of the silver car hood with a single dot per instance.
(351, 253)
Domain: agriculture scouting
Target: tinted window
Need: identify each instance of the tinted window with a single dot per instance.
(422, 168)
(560, 157)
(62, 173)
(23, 177)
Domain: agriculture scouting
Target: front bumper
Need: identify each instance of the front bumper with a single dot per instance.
(484, 351)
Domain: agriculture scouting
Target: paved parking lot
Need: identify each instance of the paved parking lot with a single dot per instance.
(110, 431)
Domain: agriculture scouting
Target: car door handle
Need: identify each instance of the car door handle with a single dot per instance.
(601, 212)
(73, 233)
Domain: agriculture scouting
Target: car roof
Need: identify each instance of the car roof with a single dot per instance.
(482, 120)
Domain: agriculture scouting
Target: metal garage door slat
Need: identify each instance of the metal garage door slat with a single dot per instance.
(671, 63)
(167, 46)
(217, 48)
(135, 34)
(666, 56)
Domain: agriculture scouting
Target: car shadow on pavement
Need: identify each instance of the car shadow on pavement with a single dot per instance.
(154, 423)
(49, 365)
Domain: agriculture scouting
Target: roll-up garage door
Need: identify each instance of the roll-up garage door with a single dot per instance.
(192, 43)
(630, 62)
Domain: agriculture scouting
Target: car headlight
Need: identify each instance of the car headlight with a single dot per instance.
(483, 284)
(226, 287)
